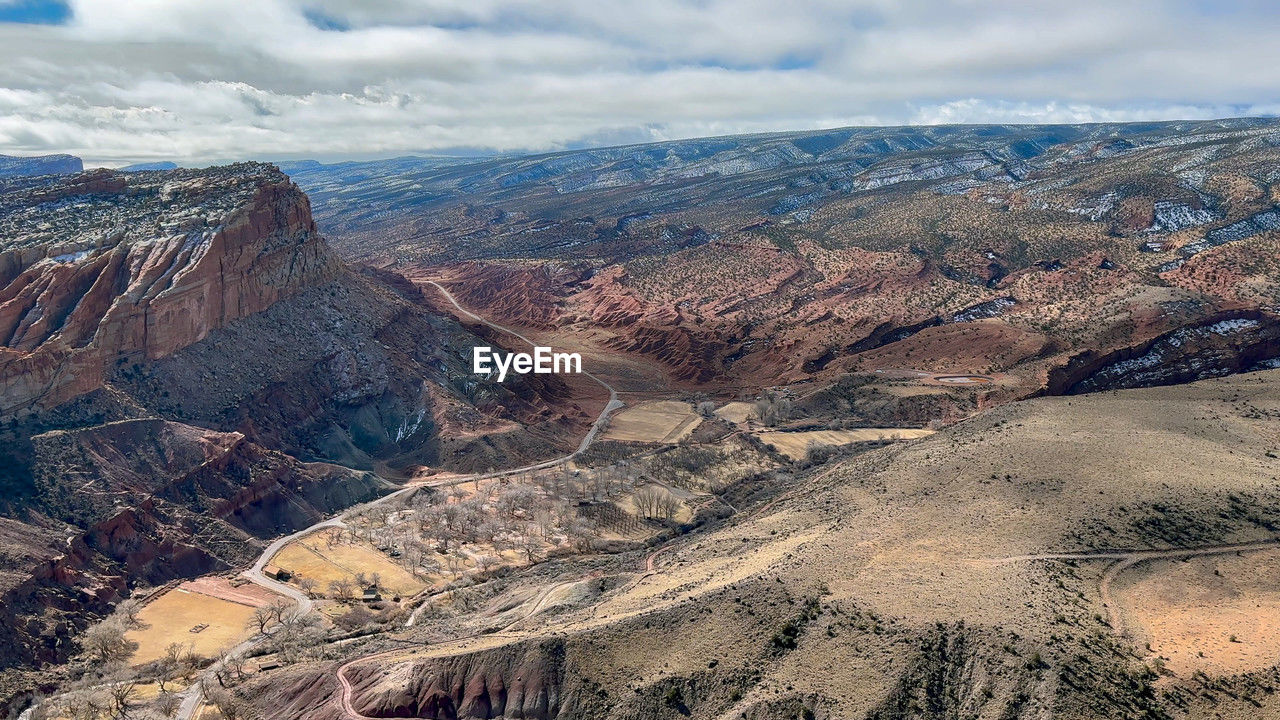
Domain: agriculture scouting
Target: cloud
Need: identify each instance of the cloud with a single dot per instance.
(204, 80)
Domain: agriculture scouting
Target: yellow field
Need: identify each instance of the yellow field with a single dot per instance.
(171, 616)
(665, 421)
(684, 512)
(312, 557)
(794, 444)
(736, 412)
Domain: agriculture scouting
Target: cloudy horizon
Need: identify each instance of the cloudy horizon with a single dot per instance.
(117, 81)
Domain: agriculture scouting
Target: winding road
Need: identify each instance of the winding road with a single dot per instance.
(1124, 559)
(192, 695)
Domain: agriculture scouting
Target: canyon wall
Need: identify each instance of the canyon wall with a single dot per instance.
(106, 267)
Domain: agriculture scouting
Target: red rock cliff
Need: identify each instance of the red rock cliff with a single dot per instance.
(104, 267)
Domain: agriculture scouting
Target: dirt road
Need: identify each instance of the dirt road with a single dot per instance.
(1126, 559)
(192, 695)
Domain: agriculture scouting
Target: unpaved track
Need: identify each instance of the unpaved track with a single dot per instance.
(191, 696)
(614, 402)
(1126, 559)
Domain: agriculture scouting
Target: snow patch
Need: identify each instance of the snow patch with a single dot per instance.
(1229, 327)
(72, 257)
(1174, 216)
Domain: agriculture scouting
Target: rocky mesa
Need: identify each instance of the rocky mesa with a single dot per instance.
(104, 265)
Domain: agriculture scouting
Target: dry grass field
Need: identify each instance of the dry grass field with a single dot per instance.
(736, 412)
(1217, 614)
(794, 444)
(170, 618)
(313, 557)
(664, 421)
(683, 510)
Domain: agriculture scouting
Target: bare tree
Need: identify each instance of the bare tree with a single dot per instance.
(121, 692)
(486, 531)
(82, 705)
(298, 632)
(455, 562)
(580, 533)
(168, 703)
(544, 520)
(377, 515)
(517, 500)
(529, 544)
(127, 612)
(233, 665)
(647, 499)
(307, 585)
(170, 664)
(443, 524)
(413, 555)
(668, 505)
(772, 409)
(341, 590)
(106, 641)
(229, 705)
(262, 618)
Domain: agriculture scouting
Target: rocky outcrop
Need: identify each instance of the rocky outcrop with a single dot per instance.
(1223, 344)
(526, 296)
(104, 267)
(519, 681)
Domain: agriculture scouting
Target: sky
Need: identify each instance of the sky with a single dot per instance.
(200, 81)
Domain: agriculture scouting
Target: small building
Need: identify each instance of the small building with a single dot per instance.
(371, 594)
(276, 573)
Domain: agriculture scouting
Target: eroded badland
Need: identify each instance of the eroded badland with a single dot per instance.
(967, 422)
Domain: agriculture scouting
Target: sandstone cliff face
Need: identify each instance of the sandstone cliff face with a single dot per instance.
(103, 266)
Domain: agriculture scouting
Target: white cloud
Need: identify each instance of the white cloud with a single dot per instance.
(204, 80)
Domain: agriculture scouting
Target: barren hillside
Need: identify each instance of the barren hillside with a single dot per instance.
(1058, 256)
(993, 570)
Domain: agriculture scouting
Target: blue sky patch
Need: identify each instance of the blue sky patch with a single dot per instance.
(323, 21)
(35, 12)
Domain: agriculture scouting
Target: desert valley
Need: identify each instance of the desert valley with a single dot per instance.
(950, 421)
